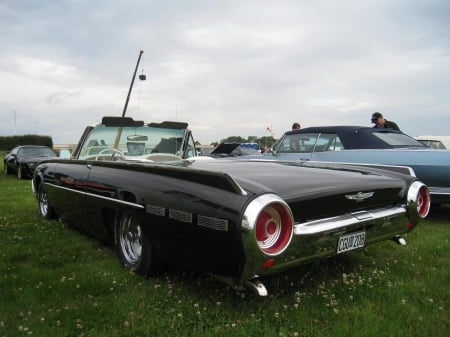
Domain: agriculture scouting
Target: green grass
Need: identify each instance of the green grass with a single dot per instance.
(56, 281)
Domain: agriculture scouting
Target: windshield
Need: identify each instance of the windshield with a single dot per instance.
(133, 141)
(36, 152)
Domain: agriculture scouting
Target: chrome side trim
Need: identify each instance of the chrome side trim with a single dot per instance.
(395, 168)
(122, 202)
(346, 220)
(439, 190)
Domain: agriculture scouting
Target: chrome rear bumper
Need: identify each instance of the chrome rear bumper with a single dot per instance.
(319, 238)
(343, 222)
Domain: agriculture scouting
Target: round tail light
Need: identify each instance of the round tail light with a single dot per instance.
(272, 222)
(418, 193)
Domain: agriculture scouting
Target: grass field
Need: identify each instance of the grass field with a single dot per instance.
(55, 281)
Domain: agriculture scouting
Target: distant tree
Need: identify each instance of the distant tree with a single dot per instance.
(9, 142)
(266, 141)
(234, 139)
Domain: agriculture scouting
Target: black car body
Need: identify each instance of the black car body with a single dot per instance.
(22, 160)
(236, 220)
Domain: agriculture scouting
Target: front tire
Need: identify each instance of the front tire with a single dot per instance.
(6, 168)
(134, 249)
(19, 172)
(45, 209)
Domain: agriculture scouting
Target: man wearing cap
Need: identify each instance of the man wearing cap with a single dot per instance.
(381, 122)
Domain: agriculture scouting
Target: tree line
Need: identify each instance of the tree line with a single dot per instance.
(9, 142)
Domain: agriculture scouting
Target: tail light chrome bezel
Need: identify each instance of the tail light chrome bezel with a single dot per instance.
(270, 219)
(419, 194)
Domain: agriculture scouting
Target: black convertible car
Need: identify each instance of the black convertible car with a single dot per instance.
(23, 159)
(141, 188)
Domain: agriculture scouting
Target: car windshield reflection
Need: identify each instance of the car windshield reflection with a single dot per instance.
(132, 142)
(36, 152)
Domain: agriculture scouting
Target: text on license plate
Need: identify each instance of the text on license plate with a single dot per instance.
(351, 241)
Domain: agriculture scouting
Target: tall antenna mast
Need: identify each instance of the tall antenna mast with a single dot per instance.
(132, 83)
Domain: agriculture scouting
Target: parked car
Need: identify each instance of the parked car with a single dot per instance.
(141, 188)
(356, 144)
(23, 159)
(204, 150)
(234, 150)
(435, 142)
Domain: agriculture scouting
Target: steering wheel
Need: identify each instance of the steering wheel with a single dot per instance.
(120, 153)
(114, 152)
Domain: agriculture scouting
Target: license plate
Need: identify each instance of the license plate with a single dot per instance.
(351, 241)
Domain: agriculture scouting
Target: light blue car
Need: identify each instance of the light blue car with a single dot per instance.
(365, 145)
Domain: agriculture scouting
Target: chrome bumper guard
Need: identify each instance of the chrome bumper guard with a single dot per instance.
(343, 222)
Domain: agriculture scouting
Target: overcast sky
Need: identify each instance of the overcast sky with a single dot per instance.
(225, 67)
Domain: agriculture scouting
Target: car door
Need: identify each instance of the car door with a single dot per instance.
(70, 178)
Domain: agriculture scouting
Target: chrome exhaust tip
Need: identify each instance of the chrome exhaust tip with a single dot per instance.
(257, 287)
(398, 239)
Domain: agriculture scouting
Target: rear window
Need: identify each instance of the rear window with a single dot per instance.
(397, 139)
(433, 144)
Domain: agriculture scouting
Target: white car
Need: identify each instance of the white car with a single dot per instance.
(435, 142)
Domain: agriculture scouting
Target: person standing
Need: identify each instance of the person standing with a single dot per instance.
(381, 122)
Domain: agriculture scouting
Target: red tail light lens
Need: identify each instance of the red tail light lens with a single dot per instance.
(270, 220)
(418, 193)
(274, 228)
(423, 202)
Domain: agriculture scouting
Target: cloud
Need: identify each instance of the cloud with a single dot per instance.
(226, 67)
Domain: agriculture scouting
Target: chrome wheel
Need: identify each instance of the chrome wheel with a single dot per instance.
(45, 209)
(43, 202)
(134, 249)
(130, 239)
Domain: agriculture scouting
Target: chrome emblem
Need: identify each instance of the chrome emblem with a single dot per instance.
(360, 196)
